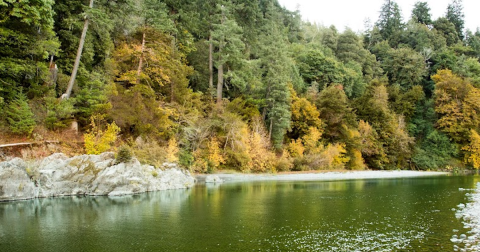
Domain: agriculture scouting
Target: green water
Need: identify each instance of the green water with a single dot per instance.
(414, 214)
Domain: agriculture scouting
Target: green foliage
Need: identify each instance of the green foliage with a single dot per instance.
(390, 129)
(323, 99)
(404, 67)
(185, 158)
(59, 112)
(335, 113)
(390, 22)
(421, 13)
(19, 116)
(447, 29)
(456, 17)
(405, 103)
(124, 154)
(276, 67)
(434, 152)
(137, 112)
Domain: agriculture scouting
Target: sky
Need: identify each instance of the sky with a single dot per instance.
(353, 13)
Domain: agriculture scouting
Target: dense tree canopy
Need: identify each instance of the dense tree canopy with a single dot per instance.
(244, 84)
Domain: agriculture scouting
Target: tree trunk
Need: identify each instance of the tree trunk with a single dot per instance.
(53, 72)
(267, 95)
(79, 55)
(220, 83)
(140, 62)
(210, 62)
(270, 130)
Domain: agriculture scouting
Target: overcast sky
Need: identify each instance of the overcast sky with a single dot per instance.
(353, 13)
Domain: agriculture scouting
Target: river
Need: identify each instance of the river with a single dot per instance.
(407, 214)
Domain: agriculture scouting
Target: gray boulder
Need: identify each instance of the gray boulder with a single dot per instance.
(58, 175)
(15, 183)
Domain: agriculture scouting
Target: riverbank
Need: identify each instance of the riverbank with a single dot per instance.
(312, 176)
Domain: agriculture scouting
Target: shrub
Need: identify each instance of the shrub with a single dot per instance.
(99, 140)
(209, 158)
(150, 152)
(185, 158)
(172, 150)
(284, 163)
(124, 154)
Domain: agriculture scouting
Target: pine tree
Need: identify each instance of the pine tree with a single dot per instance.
(227, 39)
(19, 116)
(456, 17)
(421, 13)
(27, 40)
(390, 22)
(275, 65)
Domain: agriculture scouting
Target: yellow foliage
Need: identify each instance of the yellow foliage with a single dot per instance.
(172, 150)
(457, 103)
(304, 115)
(262, 159)
(334, 156)
(296, 148)
(209, 158)
(356, 161)
(98, 140)
(311, 141)
(473, 149)
(215, 156)
(367, 138)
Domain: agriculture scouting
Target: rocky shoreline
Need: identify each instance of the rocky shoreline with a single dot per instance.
(99, 175)
(94, 175)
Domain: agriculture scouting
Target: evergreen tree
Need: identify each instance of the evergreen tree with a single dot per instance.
(456, 17)
(404, 67)
(349, 47)
(390, 22)
(19, 116)
(421, 13)
(27, 42)
(227, 40)
(275, 65)
(447, 29)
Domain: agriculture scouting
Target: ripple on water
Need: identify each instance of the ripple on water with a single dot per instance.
(362, 239)
(470, 214)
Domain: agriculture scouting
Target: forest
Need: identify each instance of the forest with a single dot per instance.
(242, 85)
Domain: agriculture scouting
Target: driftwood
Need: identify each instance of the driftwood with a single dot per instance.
(26, 144)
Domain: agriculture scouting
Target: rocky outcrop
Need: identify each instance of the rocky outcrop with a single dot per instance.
(15, 182)
(58, 175)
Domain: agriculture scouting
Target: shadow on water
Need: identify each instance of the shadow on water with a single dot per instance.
(365, 215)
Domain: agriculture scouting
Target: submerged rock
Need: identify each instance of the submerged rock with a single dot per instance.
(58, 175)
(213, 179)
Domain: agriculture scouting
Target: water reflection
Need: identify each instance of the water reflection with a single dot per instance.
(390, 214)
